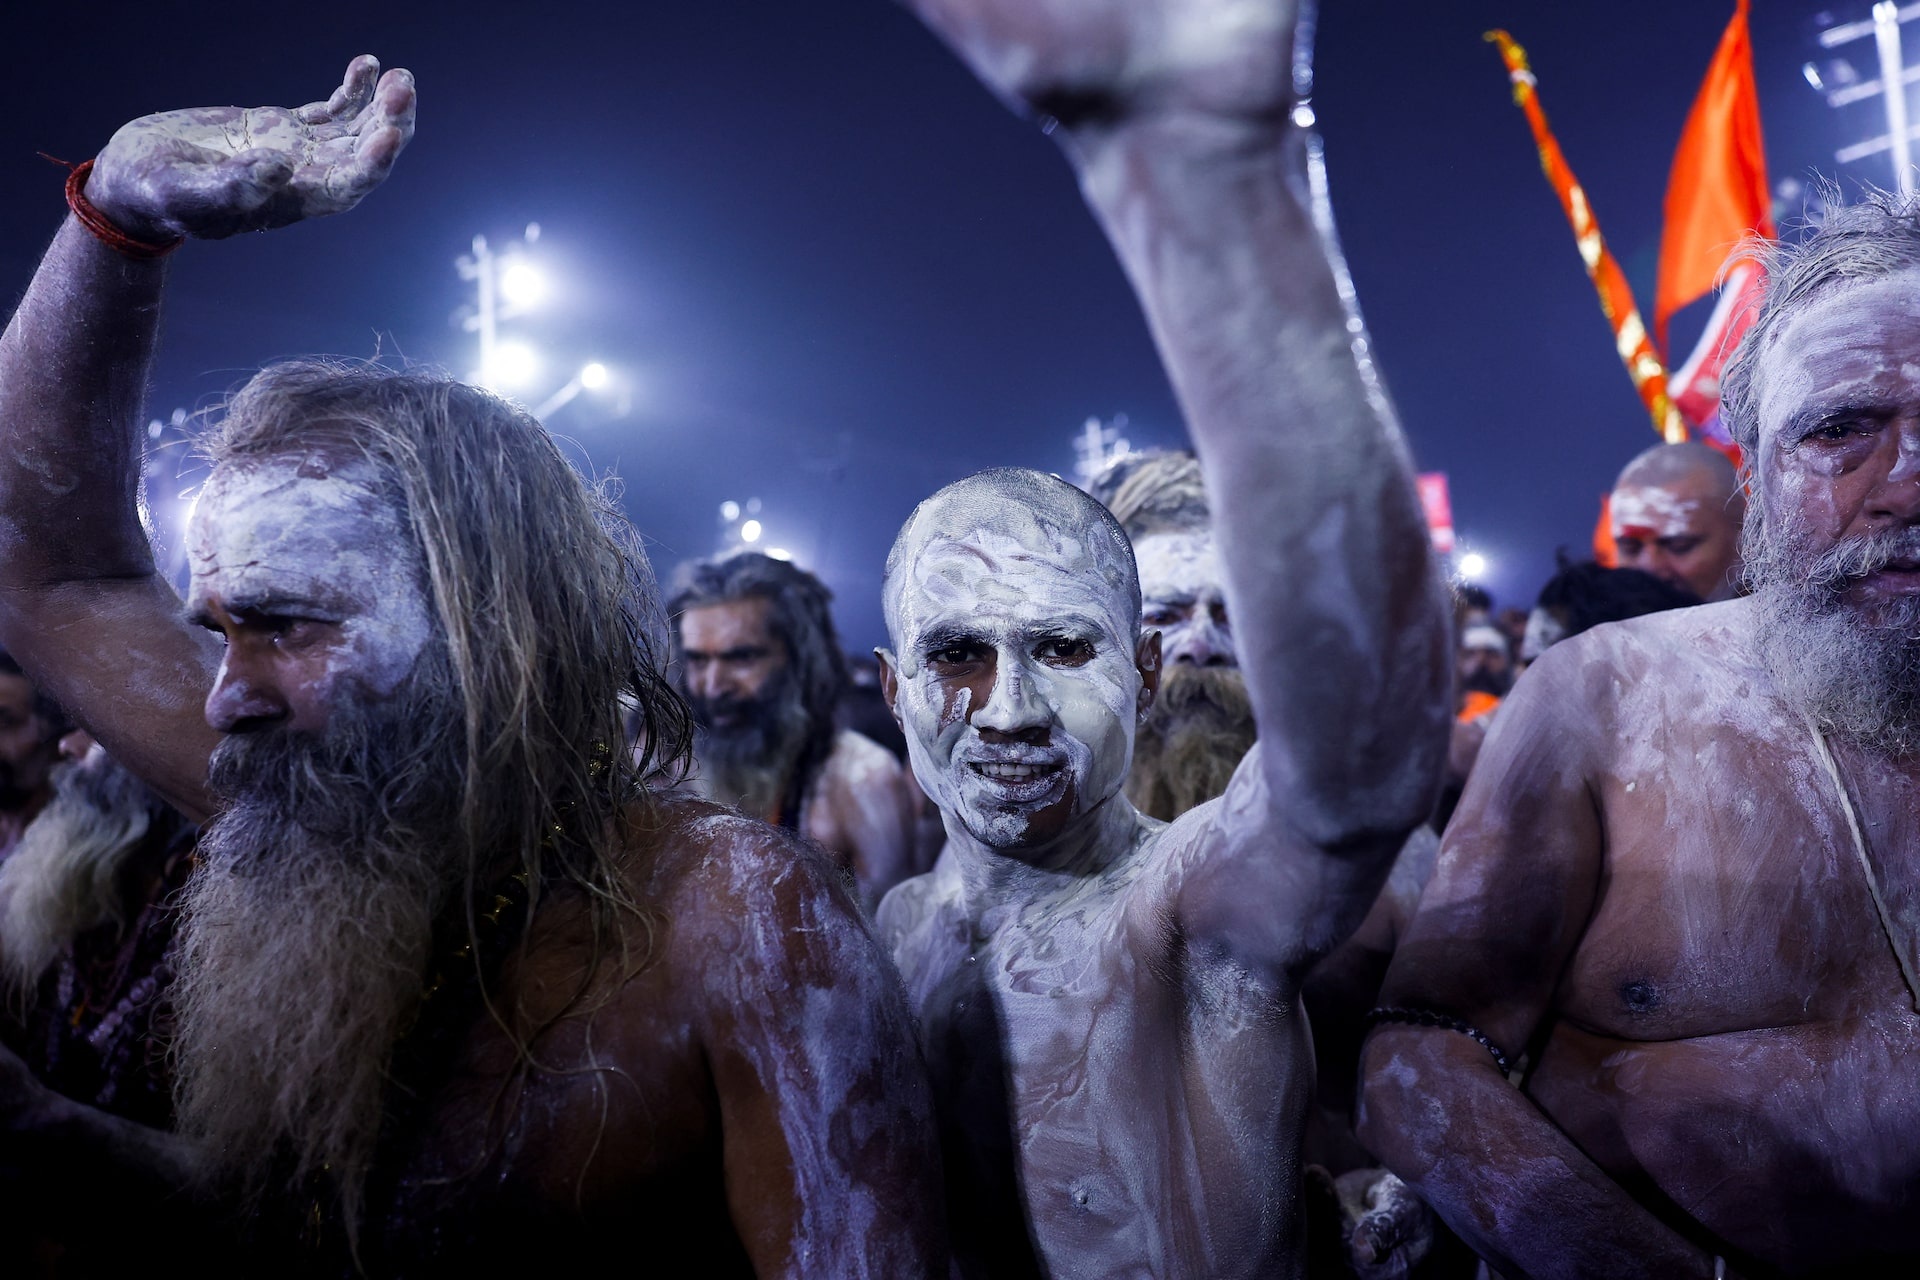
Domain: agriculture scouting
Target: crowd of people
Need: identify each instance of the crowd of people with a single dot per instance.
(1193, 886)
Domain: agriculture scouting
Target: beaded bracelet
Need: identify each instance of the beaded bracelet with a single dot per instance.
(95, 221)
(1428, 1018)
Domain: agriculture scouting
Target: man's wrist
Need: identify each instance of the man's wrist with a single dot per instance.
(95, 207)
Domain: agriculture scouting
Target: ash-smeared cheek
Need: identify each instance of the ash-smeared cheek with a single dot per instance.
(935, 718)
(1092, 710)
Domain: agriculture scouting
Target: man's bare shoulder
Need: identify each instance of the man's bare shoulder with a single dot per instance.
(1711, 637)
(859, 761)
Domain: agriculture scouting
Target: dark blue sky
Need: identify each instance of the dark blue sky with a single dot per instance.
(841, 275)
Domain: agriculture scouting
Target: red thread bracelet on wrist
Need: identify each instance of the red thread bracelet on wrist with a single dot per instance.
(108, 234)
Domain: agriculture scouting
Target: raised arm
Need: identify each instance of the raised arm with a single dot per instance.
(1178, 117)
(1505, 908)
(81, 605)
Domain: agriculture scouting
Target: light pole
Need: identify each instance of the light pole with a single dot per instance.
(1895, 77)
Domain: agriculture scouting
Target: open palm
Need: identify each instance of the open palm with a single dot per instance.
(217, 171)
(1101, 59)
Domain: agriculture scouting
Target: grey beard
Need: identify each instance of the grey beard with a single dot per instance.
(1200, 726)
(308, 928)
(749, 767)
(1854, 670)
(66, 875)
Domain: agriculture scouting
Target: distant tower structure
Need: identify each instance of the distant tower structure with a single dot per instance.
(1098, 444)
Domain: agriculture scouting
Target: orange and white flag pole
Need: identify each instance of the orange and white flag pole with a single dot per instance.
(1644, 366)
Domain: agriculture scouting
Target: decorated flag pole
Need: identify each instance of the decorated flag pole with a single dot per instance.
(1630, 336)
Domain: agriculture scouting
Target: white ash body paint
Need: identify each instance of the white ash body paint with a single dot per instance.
(1636, 507)
(316, 532)
(1011, 568)
(1182, 581)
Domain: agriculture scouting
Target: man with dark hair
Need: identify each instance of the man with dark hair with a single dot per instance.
(1582, 596)
(1655, 1015)
(30, 727)
(760, 664)
(456, 990)
(1109, 1003)
(1676, 511)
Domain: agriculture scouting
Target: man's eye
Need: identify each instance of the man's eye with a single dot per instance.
(1160, 617)
(1834, 432)
(1068, 653)
(1680, 546)
(953, 655)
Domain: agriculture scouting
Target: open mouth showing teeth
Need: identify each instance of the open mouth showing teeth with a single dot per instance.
(1001, 772)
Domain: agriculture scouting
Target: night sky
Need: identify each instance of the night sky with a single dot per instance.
(834, 274)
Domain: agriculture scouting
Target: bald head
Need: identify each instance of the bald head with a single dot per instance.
(1677, 510)
(1010, 531)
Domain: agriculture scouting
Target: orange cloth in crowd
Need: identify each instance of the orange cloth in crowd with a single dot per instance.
(1477, 705)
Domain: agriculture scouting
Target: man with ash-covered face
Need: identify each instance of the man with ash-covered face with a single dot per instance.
(760, 663)
(1684, 882)
(1675, 513)
(456, 990)
(1200, 724)
(1110, 1003)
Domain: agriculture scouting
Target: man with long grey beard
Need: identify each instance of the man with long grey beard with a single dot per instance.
(1656, 1013)
(1110, 1003)
(759, 661)
(87, 931)
(458, 991)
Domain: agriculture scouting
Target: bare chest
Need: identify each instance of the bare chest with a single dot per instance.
(1736, 894)
(1142, 1104)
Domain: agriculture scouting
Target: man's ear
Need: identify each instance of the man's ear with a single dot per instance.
(890, 685)
(1147, 659)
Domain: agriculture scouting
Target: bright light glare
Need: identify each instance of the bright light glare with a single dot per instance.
(750, 531)
(729, 510)
(593, 376)
(522, 284)
(1473, 566)
(514, 365)
(779, 553)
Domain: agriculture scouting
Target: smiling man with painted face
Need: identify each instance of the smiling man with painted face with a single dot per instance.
(1110, 1004)
(1684, 882)
(457, 991)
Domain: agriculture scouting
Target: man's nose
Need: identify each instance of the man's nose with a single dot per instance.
(241, 703)
(1202, 644)
(1014, 706)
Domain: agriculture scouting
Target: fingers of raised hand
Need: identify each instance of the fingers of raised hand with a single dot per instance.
(350, 99)
(347, 170)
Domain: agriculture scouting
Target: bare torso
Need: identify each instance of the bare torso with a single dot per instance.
(1731, 1038)
(1139, 1105)
(756, 1051)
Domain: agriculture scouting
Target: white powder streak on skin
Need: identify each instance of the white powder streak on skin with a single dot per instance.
(1652, 507)
(1010, 589)
(301, 532)
(1181, 575)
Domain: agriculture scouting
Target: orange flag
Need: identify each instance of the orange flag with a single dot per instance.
(1643, 363)
(1717, 195)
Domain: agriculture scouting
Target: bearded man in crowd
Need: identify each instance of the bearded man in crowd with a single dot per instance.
(1200, 724)
(1684, 881)
(456, 990)
(30, 727)
(1675, 513)
(87, 934)
(1110, 1004)
(761, 666)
